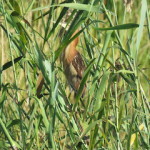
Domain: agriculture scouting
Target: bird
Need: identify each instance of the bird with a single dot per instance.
(73, 64)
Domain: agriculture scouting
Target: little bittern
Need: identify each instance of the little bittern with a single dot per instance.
(73, 67)
(73, 64)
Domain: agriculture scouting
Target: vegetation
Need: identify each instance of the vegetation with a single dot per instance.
(114, 43)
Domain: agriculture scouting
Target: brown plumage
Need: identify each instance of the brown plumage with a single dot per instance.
(73, 64)
(73, 67)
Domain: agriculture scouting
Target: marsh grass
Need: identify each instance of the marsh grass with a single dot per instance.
(113, 114)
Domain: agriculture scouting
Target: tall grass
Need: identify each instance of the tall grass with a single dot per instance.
(114, 43)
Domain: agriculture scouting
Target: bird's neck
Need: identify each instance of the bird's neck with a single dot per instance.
(70, 51)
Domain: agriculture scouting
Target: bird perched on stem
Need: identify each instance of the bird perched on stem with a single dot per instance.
(73, 64)
(73, 67)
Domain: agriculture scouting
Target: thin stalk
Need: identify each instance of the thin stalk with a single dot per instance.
(12, 142)
(117, 36)
(2, 58)
(148, 22)
(116, 110)
(15, 79)
(116, 19)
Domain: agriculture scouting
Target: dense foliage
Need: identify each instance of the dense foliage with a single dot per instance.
(114, 43)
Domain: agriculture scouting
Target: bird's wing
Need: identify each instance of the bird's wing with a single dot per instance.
(78, 64)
